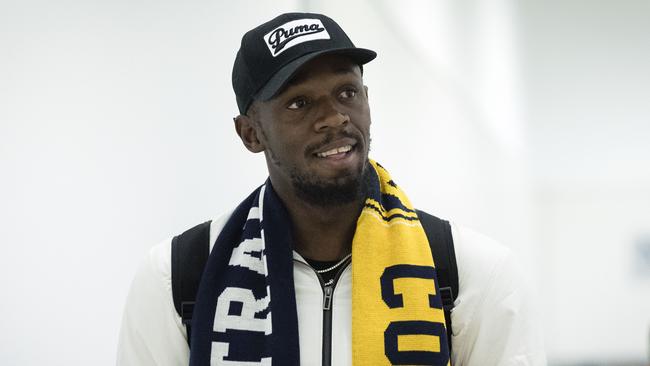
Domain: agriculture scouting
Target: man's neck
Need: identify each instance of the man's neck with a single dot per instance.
(323, 233)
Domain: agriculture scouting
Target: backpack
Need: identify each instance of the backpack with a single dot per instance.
(190, 251)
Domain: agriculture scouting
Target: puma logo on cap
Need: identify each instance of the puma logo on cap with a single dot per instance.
(293, 33)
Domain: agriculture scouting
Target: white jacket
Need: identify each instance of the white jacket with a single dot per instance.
(492, 321)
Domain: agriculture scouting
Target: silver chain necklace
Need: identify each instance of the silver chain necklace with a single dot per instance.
(319, 271)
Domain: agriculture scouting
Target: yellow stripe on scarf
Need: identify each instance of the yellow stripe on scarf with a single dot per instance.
(390, 242)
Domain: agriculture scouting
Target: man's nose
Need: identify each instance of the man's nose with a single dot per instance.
(329, 116)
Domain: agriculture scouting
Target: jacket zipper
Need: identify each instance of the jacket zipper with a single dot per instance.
(328, 294)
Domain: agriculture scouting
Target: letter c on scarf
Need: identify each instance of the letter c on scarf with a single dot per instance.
(392, 273)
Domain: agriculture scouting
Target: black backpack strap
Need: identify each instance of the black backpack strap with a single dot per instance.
(442, 249)
(190, 252)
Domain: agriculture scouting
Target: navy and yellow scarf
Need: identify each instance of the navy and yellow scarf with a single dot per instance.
(245, 312)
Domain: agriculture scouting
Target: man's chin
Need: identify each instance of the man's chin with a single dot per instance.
(334, 191)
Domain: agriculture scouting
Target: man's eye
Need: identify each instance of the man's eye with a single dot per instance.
(348, 93)
(297, 104)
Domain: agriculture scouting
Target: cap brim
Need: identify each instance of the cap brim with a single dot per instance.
(279, 80)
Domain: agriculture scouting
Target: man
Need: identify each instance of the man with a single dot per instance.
(327, 262)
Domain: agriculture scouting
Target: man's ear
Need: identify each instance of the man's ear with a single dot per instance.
(365, 87)
(247, 130)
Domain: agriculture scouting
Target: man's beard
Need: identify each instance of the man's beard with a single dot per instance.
(327, 194)
(321, 193)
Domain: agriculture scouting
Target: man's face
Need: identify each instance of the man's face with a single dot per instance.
(316, 132)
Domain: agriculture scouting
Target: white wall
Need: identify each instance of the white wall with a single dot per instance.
(587, 77)
(116, 132)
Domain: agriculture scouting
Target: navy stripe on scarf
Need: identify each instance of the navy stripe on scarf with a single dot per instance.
(245, 309)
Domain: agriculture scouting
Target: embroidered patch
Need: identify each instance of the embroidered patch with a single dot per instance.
(293, 33)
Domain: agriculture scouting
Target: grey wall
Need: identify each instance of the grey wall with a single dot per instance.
(586, 77)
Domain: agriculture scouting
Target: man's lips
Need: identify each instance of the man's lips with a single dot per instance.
(335, 148)
(335, 151)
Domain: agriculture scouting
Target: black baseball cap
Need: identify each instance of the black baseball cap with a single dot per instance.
(271, 53)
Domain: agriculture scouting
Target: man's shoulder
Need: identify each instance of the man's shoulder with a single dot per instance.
(484, 264)
(488, 272)
(475, 251)
(159, 256)
(152, 332)
(495, 302)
